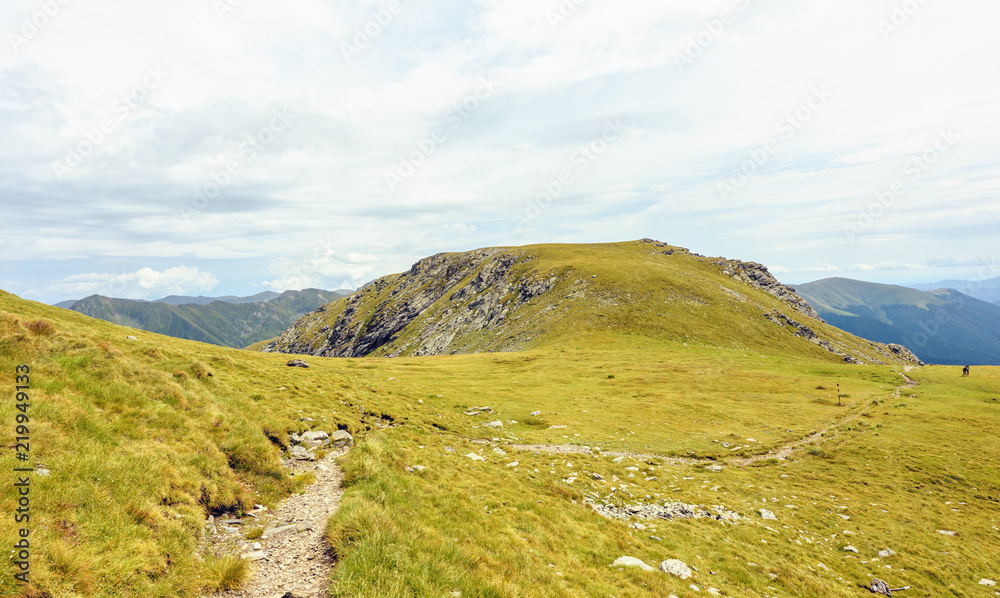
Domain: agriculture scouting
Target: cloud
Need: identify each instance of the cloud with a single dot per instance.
(322, 270)
(144, 283)
(822, 267)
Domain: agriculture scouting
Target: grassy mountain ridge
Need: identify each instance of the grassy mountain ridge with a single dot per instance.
(220, 322)
(513, 298)
(142, 443)
(941, 326)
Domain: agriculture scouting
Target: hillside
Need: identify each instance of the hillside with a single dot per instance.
(135, 442)
(987, 290)
(515, 298)
(219, 322)
(942, 326)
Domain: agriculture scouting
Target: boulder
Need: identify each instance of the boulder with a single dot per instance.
(297, 363)
(987, 582)
(495, 424)
(886, 553)
(300, 453)
(475, 457)
(765, 514)
(315, 435)
(676, 568)
(342, 438)
(631, 561)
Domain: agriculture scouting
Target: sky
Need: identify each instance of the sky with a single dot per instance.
(215, 147)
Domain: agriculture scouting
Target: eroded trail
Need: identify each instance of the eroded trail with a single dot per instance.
(293, 558)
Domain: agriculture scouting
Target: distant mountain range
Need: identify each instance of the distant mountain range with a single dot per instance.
(984, 290)
(942, 326)
(228, 321)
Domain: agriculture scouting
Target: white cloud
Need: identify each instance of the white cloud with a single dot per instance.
(144, 283)
(822, 267)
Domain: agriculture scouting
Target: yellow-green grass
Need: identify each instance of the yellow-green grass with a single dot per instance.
(142, 443)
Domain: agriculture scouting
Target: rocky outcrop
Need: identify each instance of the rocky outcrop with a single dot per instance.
(479, 290)
(758, 276)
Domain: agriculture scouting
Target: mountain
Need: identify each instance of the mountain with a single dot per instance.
(620, 440)
(220, 322)
(941, 326)
(514, 298)
(201, 300)
(987, 290)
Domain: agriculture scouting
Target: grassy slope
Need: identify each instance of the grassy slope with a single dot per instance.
(627, 287)
(105, 527)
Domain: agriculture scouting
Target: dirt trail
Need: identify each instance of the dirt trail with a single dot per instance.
(781, 453)
(297, 561)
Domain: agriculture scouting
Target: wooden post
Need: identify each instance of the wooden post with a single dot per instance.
(838, 395)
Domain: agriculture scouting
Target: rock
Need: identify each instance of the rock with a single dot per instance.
(676, 568)
(297, 363)
(285, 529)
(494, 424)
(449, 449)
(43, 472)
(513, 464)
(536, 413)
(255, 546)
(255, 555)
(694, 588)
(478, 410)
(475, 457)
(597, 476)
(880, 587)
(630, 561)
(315, 435)
(765, 514)
(850, 548)
(131, 338)
(987, 582)
(312, 443)
(886, 553)
(294, 438)
(418, 468)
(299, 453)
(947, 533)
(714, 591)
(714, 468)
(341, 438)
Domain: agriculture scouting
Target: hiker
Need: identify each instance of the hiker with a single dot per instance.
(965, 371)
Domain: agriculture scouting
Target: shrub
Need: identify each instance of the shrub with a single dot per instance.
(223, 573)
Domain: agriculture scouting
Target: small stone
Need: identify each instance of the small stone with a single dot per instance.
(765, 514)
(987, 582)
(297, 363)
(630, 561)
(494, 424)
(255, 546)
(947, 533)
(512, 464)
(694, 588)
(449, 449)
(475, 457)
(131, 338)
(676, 568)
(43, 472)
(886, 553)
(536, 413)
(714, 468)
(714, 591)
(255, 555)
(597, 476)
(850, 548)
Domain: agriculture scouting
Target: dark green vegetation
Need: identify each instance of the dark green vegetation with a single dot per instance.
(222, 322)
(144, 438)
(941, 326)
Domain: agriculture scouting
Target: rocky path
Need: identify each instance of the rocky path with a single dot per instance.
(293, 560)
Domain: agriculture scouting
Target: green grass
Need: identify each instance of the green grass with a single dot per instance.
(143, 444)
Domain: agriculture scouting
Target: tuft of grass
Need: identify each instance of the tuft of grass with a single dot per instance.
(224, 573)
(41, 327)
(255, 532)
(200, 370)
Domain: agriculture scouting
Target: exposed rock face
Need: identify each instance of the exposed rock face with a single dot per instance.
(757, 275)
(487, 291)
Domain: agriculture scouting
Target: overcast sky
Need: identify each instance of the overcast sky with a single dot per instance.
(234, 146)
